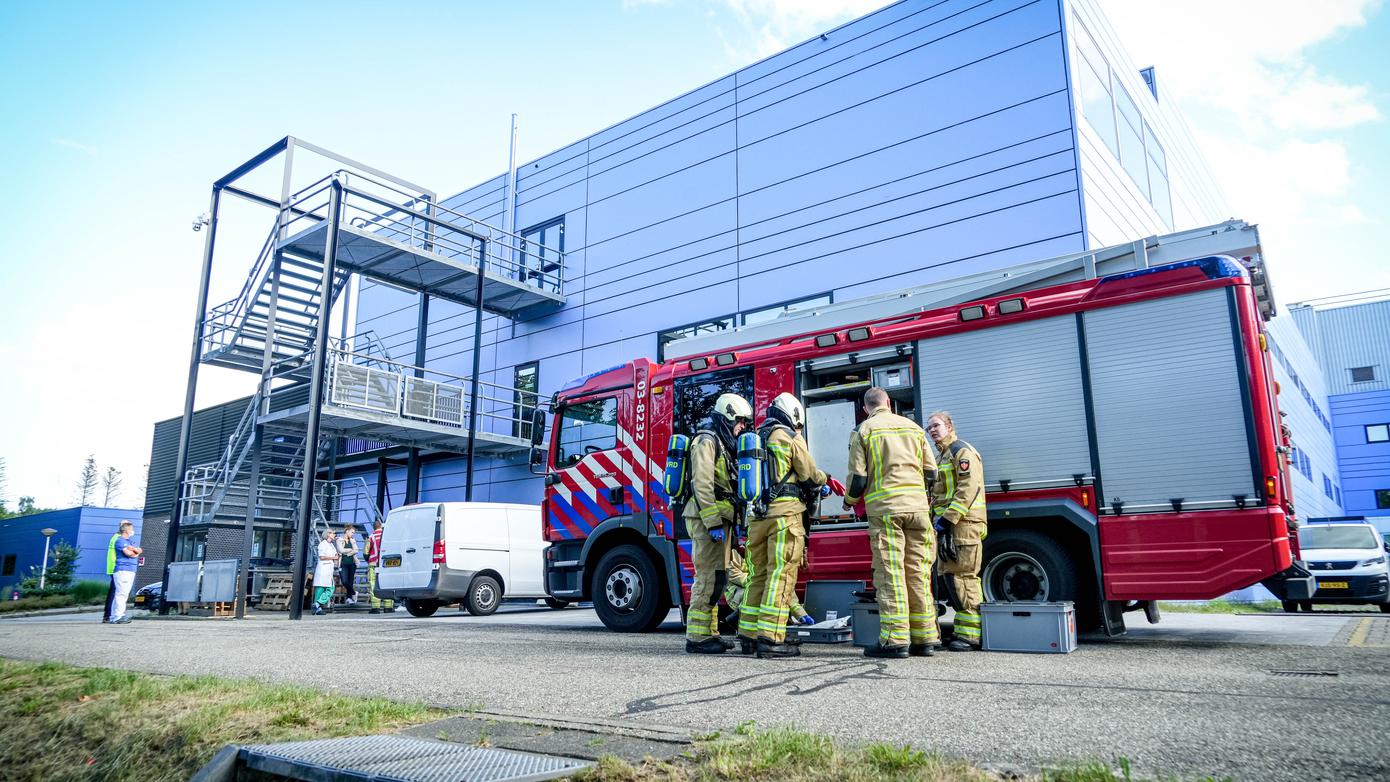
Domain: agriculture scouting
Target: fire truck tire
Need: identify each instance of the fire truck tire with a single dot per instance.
(484, 595)
(1022, 564)
(627, 591)
(421, 608)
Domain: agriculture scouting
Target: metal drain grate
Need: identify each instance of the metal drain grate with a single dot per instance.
(1301, 673)
(403, 759)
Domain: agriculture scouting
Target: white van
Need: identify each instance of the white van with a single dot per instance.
(1348, 559)
(474, 553)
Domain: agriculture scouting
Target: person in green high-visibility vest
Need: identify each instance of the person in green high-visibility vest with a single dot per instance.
(110, 577)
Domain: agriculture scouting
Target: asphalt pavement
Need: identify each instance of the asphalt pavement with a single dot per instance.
(1250, 697)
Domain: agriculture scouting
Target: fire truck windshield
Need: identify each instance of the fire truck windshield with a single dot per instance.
(586, 427)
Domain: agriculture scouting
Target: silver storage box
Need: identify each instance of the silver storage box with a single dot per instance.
(865, 624)
(1028, 627)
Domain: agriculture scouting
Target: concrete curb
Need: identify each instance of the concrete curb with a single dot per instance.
(52, 612)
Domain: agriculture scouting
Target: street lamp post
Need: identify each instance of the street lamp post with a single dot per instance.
(48, 533)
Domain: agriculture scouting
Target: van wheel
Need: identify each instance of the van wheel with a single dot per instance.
(1289, 606)
(1385, 608)
(421, 608)
(557, 604)
(628, 594)
(484, 595)
(1026, 565)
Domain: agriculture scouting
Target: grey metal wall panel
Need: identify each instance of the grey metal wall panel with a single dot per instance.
(1169, 418)
(1015, 393)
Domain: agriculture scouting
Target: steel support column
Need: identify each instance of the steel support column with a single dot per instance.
(477, 369)
(316, 383)
(243, 590)
(190, 395)
(422, 325)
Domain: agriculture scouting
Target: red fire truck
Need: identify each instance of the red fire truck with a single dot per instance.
(1123, 402)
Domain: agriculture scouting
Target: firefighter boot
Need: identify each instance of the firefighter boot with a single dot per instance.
(920, 650)
(747, 645)
(707, 646)
(767, 649)
(894, 652)
(957, 645)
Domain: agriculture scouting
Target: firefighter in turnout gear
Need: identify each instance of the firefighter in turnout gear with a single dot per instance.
(777, 536)
(890, 468)
(709, 517)
(959, 518)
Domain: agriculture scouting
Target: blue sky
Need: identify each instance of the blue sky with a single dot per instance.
(116, 117)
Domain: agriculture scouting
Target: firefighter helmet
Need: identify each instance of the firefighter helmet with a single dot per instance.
(787, 409)
(729, 410)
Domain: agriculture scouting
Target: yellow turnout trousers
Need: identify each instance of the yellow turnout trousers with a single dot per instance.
(903, 548)
(775, 549)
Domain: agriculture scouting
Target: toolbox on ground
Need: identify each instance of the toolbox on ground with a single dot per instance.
(1027, 627)
(865, 624)
(827, 631)
(831, 604)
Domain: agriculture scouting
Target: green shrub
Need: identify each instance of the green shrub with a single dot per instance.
(36, 603)
(89, 591)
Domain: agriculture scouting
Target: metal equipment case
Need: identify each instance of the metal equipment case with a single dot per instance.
(1029, 627)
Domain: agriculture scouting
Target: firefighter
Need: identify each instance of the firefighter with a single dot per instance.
(737, 589)
(709, 517)
(777, 537)
(959, 519)
(890, 467)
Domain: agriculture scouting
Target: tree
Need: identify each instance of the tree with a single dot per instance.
(111, 486)
(62, 558)
(27, 507)
(87, 481)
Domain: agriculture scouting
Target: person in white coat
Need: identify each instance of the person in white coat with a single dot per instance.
(323, 572)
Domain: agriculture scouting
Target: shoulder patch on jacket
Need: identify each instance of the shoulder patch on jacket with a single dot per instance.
(963, 466)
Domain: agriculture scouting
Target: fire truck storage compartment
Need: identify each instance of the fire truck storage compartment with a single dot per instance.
(1015, 393)
(833, 390)
(1165, 391)
(1170, 418)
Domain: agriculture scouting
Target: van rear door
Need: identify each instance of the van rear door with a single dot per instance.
(407, 547)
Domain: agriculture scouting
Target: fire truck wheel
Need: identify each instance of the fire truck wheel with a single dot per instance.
(627, 592)
(484, 595)
(421, 608)
(1027, 565)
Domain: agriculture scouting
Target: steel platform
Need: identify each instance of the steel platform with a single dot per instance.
(402, 759)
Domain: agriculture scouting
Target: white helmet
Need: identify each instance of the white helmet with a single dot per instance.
(732, 407)
(787, 409)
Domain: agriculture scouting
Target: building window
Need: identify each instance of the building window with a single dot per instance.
(1327, 486)
(1378, 433)
(192, 546)
(526, 380)
(1096, 104)
(693, 330)
(8, 568)
(754, 317)
(1131, 133)
(271, 544)
(1338, 491)
(542, 248)
(1383, 498)
(1307, 467)
(1159, 194)
(1363, 374)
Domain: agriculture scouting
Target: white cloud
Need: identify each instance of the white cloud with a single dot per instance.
(1273, 125)
(774, 25)
(77, 145)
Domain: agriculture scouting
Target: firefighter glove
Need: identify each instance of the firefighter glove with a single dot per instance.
(939, 524)
(947, 543)
(717, 534)
(808, 620)
(834, 486)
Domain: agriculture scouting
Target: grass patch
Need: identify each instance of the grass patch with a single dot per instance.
(37, 603)
(66, 723)
(1223, 606)
(789, 755)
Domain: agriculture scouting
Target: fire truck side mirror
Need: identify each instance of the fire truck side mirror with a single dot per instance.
(537, 427)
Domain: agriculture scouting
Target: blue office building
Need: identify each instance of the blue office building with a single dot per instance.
(925, 141)
(89, 529)
(1352, 345)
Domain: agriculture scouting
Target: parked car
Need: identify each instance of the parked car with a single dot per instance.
(150, 596)
(1348, 559)
(473, 553)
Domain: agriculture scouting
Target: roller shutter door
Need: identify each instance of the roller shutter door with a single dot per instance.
(1170, 421)
(1015, 393)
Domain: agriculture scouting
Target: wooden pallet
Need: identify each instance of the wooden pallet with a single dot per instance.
(275, 595)
(220, 609)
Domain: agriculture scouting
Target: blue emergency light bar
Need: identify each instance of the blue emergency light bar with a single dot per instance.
(579, 381)
(1214, 266)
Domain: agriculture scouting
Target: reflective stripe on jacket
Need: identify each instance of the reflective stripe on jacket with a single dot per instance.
(891, 453)
(959, 492)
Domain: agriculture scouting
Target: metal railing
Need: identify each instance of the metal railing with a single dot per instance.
(223, 324)
(370, 383)
(419, 224)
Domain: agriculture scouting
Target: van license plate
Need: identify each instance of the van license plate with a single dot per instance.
(1333, 585)
(139, 598)
(391, 561)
